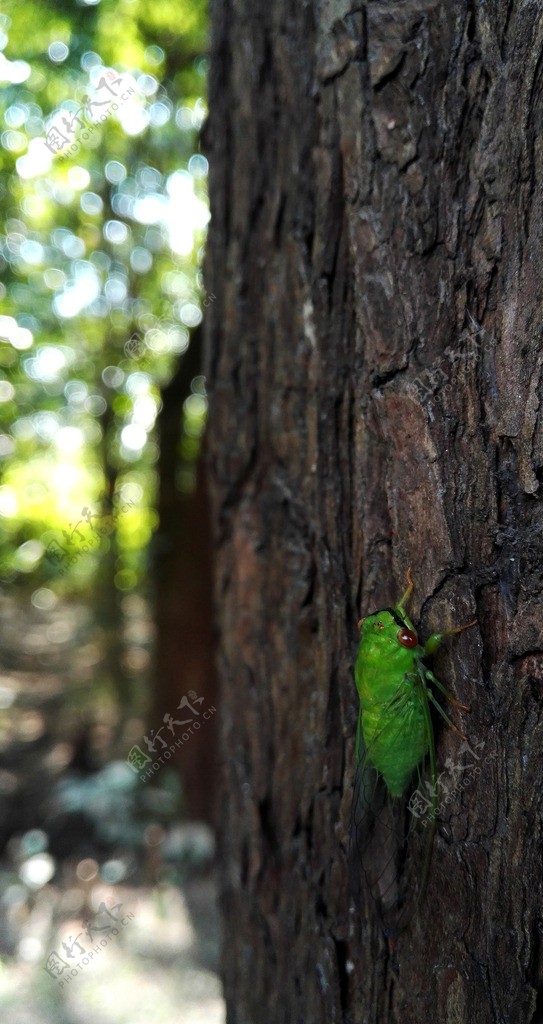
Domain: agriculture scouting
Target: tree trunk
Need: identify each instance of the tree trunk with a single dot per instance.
(375, 365)
(183, 588)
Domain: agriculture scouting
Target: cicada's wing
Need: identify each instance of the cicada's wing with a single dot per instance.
(389, 836)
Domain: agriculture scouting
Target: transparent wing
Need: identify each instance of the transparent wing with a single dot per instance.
(391, 838)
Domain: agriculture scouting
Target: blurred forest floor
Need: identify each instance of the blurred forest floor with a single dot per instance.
(90, 857)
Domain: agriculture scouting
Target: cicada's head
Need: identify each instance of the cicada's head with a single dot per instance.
(387, 629)
(387, 651)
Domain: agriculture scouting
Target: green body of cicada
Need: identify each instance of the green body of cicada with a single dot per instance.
(395, 732)
(391, 685)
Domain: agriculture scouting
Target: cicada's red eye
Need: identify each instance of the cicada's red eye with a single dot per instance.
(407, 638)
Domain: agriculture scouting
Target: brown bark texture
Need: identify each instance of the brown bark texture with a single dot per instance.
(374, 357)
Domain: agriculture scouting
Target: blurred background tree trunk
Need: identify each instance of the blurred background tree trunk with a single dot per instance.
(184, 657)
(375, 360)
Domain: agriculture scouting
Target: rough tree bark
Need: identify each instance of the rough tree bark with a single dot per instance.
(375, 360)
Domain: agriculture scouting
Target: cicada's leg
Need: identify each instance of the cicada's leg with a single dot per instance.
(433, 774)
(401, 604)
(452, 700)
(434, 641)
(438, 707)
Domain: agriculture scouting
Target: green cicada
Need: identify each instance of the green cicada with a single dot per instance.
(394, 736)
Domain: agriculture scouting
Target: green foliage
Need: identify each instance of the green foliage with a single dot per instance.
(99, 253)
